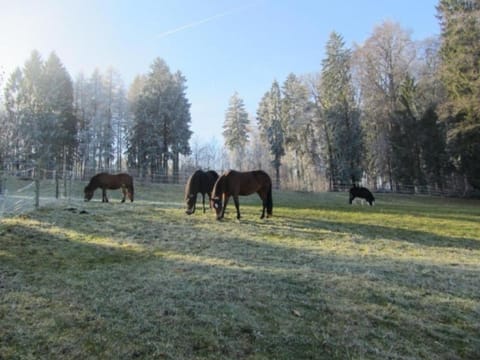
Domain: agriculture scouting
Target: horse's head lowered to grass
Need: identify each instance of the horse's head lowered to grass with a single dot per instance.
(200, 182)
(235, 183)
(106, 181)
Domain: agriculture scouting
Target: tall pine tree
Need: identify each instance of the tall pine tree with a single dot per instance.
(460, 54)
(32, 110)
(61, 126)
(161, 117)
(341, 113)
(235, 129)
(269, 117)
(300, 135)
(13, 143)
(181, 119)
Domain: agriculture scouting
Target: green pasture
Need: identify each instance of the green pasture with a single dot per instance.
(321, 279)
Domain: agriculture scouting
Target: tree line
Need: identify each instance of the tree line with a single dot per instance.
(92, 124)
(389, 112)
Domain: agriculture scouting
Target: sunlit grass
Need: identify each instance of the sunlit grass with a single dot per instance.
(320, 279)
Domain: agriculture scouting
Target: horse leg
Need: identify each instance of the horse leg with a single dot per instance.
(203, 201)
(237, 206)
(263, 197)
(225, 202)
(264, 206)
(104, 195)
(124, 192)
(130, 193)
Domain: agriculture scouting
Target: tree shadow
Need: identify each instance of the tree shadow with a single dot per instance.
(225, 293)
(417, 237)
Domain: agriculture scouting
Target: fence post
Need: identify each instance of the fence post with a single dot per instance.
(57, 185)
(4, 200)
(68, 179)
(37, 188)
(65, 184)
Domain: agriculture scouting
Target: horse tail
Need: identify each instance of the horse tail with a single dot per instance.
(269, 201)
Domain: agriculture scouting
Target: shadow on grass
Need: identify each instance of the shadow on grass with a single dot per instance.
(417, 237)
(223, 294)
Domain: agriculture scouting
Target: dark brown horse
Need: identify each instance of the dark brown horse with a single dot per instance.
(362, 193)
(106, 181)
(235, 183)
(200, 182)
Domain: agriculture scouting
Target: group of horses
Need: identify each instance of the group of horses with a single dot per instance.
(230, 184)
(219, 189)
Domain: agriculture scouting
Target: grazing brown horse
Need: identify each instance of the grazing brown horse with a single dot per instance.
(235, 183)
(106, 181)
(200, 182)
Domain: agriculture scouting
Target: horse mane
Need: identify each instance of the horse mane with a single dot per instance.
(219, 186)
(213, 173)
(188, 186)
(92, 184)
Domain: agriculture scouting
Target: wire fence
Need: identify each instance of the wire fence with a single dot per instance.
(26, 190)
(432, 190)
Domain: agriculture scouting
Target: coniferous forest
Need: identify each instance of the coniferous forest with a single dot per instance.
(393, 113)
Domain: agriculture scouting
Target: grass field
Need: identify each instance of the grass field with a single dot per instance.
(320, 280)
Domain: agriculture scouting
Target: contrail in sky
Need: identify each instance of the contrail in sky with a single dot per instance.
(200, 22)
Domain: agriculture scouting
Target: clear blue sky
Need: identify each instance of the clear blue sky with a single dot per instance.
(220, 46)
